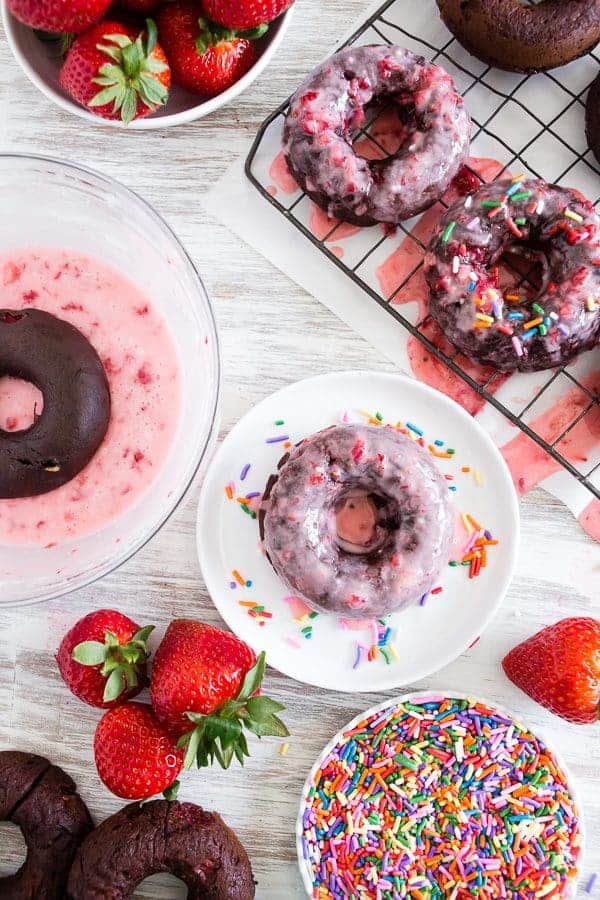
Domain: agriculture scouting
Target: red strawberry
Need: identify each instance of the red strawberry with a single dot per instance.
(244, 13)
(117, 71)
(560, 668)
(204, 57)
(58, 15)
(135, 756)
(102, 659)
(209, 678)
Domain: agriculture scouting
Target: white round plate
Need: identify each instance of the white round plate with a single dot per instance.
(425, 638)
(42, 64)
(425, 697)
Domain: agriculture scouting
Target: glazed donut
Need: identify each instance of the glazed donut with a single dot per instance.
(61, 362)
(329, 107)
(510, 330)
(161, 836)
(42, 800)
(523, 38)
(592, 117)
(358, 520)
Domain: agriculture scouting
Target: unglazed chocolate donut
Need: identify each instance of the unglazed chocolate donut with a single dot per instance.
(511, 330)
(161, 836)
(61, 362)
(522, 38)
(358, 520)
(42, 800)
(592, 117)
(329, 107)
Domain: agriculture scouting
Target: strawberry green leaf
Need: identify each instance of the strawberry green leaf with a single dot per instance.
(141, 636)
(271, 727)
(172, 791)
(193, 742)
(253, 34)
(152, 36)
(121, 40)
(262, 708)
(114, 686)
(254, 677)
(89, 653)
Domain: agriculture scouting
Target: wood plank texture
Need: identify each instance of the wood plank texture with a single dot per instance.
(272, 333)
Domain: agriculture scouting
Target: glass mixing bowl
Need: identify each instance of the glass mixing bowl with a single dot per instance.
(51, 204)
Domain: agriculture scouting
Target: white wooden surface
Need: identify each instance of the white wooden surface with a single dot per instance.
(272, 333)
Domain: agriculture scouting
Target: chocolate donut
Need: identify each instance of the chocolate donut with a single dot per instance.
(523, 38)
(592, 117)
(329, 107)
(516, 329)
(358, 520)
(162, 836)
(42, 800)
(61, 362)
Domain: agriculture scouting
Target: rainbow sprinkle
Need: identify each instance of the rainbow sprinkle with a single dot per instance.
(440, 798)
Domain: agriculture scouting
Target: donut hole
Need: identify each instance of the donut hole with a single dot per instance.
(21, 402)
(14, 849)
(523, 270)
(364, 520)
(389, 125)
(169, 886)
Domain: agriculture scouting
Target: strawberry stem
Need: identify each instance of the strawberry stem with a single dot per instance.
(220, 735)
(131, 74)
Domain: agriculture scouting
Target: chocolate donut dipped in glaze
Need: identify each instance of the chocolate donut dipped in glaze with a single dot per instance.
(54, 356)
(42, 800)
(517, 329)
(520, 37)
(358, 521)
(159, 836)
(328, 109)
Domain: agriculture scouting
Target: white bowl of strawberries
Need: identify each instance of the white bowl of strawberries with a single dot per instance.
(146, 63)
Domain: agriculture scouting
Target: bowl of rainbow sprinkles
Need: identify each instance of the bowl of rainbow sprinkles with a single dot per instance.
(436, 795)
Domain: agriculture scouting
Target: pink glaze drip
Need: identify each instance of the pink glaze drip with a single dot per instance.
(20, 402)
(529, 463)
(281, 175)
(140, 359)
(590, 519)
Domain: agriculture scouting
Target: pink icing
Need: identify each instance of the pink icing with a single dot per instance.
(141, 363)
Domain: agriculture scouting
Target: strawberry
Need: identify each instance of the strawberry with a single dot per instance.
(560, 668)
(102, 659)
(135, 755)
(204, 57)
(203, 689)
(117, 71)
(58, 15)
(244, 13)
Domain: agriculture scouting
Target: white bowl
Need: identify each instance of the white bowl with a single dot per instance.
(41, 64)
(424, 697)
(87, 213)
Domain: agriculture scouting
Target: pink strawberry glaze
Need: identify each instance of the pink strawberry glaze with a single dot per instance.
(19, 402)
(529, 464)
(138, 353)
(281, 175)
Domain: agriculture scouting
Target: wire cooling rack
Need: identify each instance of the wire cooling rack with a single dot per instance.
(544, 117)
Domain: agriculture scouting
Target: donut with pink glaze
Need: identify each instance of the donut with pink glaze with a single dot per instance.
(330, 106)
(529, 328)
(358, 521)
